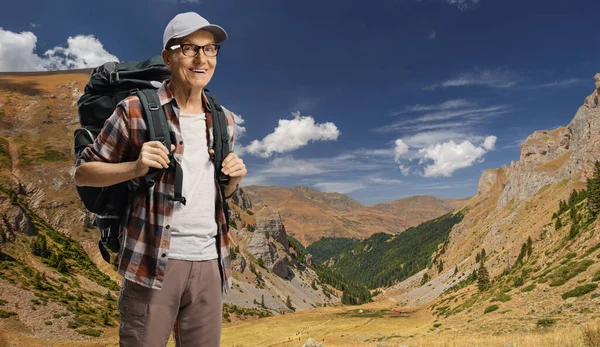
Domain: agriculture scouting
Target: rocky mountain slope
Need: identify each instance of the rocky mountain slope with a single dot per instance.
(53, 281)
(309, 215)
(540, 254)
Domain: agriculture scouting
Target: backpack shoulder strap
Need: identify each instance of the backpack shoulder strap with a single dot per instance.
(221, 136)
(159, 131)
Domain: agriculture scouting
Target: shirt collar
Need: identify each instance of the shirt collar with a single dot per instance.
(165, 96)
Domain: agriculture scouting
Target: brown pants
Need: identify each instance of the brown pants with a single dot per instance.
(190, 304)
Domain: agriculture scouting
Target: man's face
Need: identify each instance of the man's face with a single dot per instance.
(195, 72)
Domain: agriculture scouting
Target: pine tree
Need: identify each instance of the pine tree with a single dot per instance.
(483, 277)
(455, 270)
(529, 246)
(288, 302)
(523, 253)
(483, 254)
(262, 301)
(593, 191)
(558, 224)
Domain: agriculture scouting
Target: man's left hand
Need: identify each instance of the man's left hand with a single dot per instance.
(234, 167)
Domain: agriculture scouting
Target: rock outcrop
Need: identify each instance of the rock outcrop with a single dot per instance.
(268, 221)
(550, 156)
(241, 199)
(260, 248)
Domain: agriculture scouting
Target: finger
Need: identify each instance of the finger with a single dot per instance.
(159, 152)
(159, 145)
(172, 148)
(158, 159)
(232, 168)
(151, 163)
(231, 156)
(232, 162)
(238, 173)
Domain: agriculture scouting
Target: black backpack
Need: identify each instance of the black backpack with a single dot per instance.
(108, 85)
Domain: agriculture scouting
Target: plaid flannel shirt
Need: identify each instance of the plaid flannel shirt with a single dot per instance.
(145, 246)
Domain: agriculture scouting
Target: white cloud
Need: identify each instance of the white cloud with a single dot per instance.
(432, 36)
(292, 167)
(17, 53)
(400, 149)
(339, 187)
(449, 156)
(33, 25)
(494, 78)
(404, 169)
(383, 181)
(292, 134)
(447, 105)
(558, 84)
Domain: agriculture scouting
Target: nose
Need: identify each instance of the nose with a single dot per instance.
(200, 57)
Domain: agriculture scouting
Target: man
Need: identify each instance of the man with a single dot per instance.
(174, 257)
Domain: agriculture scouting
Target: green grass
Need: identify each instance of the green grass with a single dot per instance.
(502, 298)
(90, 332)
(579, 291)
(528, 288)
(571, 255)
(491, 308)
(566, 272)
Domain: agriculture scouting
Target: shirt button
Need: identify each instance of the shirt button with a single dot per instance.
(181, 142)
(168, 227)
(163, 255)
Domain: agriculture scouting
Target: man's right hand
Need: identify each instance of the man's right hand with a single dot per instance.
(153, 154)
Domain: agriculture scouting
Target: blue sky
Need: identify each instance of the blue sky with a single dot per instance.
(379, 100)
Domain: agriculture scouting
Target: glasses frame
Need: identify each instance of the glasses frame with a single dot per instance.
(197, 49)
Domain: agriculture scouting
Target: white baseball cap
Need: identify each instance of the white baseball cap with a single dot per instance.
(186, 23)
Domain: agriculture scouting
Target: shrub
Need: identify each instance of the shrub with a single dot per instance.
(6, 314)
(48, 322)
(591, 337)
(566, 272)
(545, 322)
(90, 332)
(596, 277)
(579, 291)
(528, 288)
(3, 302)
(490, 309)
(250, 212)
(502, 298)
(571, 255)
(437, 325)
(518, 282)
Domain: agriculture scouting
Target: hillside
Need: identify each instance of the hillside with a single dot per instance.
(309, 215)
(528, 244)
(53, 281)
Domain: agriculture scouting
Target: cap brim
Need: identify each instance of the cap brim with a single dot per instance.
(219, 33)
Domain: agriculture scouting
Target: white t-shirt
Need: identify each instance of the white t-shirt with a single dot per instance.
(193, 227)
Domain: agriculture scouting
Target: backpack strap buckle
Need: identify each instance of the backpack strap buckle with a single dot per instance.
(152, 106)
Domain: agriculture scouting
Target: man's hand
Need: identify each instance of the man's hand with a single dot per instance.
(153, 154)
(234, 167)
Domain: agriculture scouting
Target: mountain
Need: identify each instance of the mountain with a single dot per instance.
(53, 282)
(528, 243)
(309, 215)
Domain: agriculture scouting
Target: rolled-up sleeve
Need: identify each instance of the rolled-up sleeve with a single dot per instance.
(111, 144)
(230, 118)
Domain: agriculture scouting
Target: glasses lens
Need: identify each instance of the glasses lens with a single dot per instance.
(211, 50)
(189, 50)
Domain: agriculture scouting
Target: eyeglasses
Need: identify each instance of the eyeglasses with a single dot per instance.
(191, 50)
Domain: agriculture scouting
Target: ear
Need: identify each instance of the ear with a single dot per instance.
(166, 56)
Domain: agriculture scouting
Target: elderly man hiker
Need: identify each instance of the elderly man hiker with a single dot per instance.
(174, 258)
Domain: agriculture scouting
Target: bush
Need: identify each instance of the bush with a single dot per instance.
(545, 322)
(579, 291)
(528, 288)
(518, 282)
(250, 212)
(591, 337)
(6, 314)
(437, 325)
(571, 255)
(490, 309)
(90, 332)
(48, 322)
(566, 272)
(502, 298)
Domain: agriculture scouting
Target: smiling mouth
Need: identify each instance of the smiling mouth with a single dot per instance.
(198, 71)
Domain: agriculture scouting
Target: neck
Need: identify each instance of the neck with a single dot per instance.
(188, 99)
